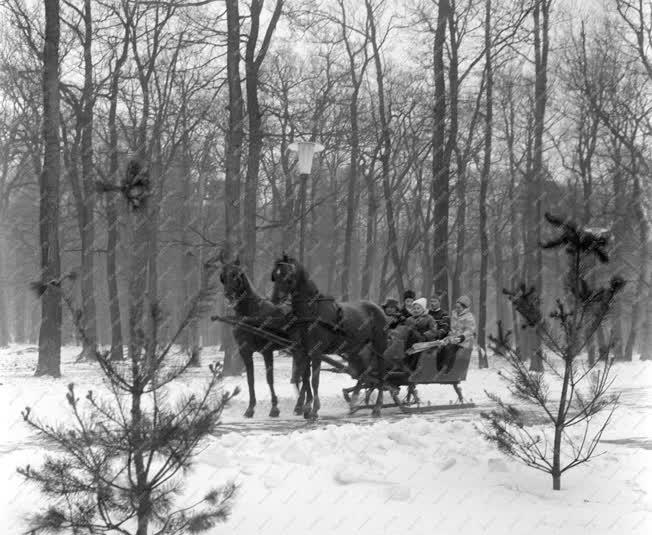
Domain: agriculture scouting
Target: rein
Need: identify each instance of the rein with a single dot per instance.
(242, 324)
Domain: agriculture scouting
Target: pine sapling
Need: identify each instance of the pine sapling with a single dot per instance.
(119, 467)
(564, 334)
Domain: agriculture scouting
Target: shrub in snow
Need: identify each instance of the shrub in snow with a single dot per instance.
(564, 334)
(119, 466)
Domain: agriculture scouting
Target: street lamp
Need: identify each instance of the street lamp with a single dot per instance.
(305, 150)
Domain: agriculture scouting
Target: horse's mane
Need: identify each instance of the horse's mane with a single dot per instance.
(302, 274)
(251, 289)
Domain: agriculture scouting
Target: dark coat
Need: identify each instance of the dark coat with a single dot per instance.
(443, 322)
(424, 327)
(394, 320)
(404, 315)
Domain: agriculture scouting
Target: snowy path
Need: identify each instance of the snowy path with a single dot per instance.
(420, 474)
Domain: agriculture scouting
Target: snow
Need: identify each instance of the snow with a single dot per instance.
(429, 473)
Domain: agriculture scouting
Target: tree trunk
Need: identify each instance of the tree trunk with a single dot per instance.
(4, 324)
(620, 239)
(350, 204)
(484, 184)
(87, 187)
(646, 342)
(335, 240)
(370, 242)
(21, 299)
(113, 236)
(559, 425)
(253, 62)
(441, 159)
(189, 265)
(233, 365)
(500, 268)
(535, 271)
(153, 215)
(458, 271)
(255, 148)
(139, 231)
(49, 357)
(643, 270)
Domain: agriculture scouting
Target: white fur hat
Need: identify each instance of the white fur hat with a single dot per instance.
(422, 302)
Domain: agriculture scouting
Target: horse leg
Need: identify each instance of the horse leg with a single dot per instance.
(269, 371)
(458, 391)
(248, 359)
(298, 408)
(316, 405)
(381, 386)
(379, 402)
(307, 406)
(355, 395)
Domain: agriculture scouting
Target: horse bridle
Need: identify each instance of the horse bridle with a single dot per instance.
(240, 278)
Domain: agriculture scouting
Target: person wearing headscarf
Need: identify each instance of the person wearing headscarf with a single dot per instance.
(422, 324)
(461, 335)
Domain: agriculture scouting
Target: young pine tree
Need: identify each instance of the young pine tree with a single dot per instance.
(122, 461)
(564, 334)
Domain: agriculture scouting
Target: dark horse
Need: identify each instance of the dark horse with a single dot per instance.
(247, 304)
(354, 330)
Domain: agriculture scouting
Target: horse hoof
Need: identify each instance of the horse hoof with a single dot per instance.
(274, 412)
(375, 413)
(307, 414)
(249, 413)
(298, 411)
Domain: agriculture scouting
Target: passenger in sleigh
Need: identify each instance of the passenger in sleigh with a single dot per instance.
(423, 327)
(462, 334)
(440, 316)
(393, 313)
(408, 299)
(402, 334)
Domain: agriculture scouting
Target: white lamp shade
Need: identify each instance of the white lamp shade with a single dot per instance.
(306, 150)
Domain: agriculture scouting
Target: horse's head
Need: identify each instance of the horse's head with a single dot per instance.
(285, 277)
(234, 280)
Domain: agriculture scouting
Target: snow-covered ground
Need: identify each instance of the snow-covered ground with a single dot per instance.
(410, 475)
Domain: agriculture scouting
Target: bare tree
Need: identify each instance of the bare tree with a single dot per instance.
(49, 357)
(254, 57)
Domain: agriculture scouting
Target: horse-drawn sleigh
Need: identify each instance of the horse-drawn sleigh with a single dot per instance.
(349, 336)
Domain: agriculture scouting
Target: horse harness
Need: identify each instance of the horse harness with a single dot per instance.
(336, 327)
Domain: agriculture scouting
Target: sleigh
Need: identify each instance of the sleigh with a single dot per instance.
(416, 366)
(419, 365)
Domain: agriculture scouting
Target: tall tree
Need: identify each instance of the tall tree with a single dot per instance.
(385, 145)
(253, 62)
(356, 69)
(119, 60)
(484, 181)
(49, 356)
(441, 149)
(233, 161)
(81, 172)
(535, 191)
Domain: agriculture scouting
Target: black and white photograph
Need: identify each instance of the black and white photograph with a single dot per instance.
(371, 267)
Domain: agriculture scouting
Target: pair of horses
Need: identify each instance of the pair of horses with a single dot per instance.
(317, 325)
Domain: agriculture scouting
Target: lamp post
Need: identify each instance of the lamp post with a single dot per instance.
(305, 150)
